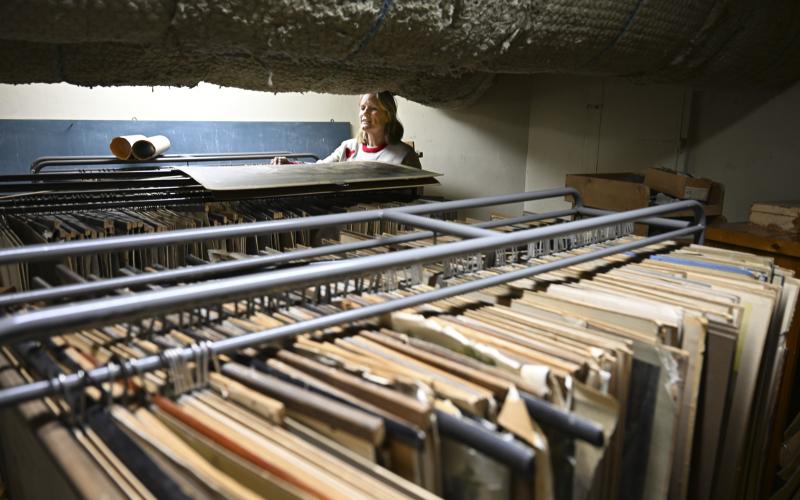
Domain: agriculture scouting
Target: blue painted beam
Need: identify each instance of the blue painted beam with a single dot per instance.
(22, 141)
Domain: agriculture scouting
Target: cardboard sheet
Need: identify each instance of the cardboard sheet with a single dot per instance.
(237, 178)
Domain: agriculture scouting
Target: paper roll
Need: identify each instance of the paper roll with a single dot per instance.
(122, 146)
(148, 148)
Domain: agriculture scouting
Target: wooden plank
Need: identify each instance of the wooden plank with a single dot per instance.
(755, 237)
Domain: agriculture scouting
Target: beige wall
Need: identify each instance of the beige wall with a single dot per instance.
(599, 125)
(480, 150)
(204, 102)
(749, 141)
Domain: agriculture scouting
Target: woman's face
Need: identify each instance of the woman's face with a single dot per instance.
(370, 115)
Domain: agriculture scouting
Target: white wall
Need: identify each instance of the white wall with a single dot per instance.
(204, 102)
(749, 141)
(599, 125)
(481, 150)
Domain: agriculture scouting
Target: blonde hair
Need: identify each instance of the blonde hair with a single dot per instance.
(393, 129)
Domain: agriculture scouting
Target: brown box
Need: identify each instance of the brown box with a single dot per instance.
(783, 215)
(678, 185)
(622, 191)
(626, 191)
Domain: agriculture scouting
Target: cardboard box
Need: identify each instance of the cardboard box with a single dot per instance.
(622, 191)
(627, 191)
(678, 185)
(783, 215)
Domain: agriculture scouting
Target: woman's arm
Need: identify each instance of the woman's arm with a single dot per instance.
(337, 155)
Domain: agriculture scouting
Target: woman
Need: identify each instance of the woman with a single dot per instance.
(379, 136)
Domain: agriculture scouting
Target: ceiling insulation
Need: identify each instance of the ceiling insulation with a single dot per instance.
(434, 52)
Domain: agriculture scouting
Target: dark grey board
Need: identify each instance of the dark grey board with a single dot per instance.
(238, 178)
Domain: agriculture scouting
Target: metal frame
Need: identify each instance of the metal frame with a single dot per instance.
(42, 162)
(57, 319)
(49, 251)
(202, 271)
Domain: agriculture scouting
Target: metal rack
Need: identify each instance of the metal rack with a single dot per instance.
(42, 162)
(52, 320)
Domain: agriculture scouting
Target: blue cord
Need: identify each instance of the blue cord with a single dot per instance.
(622, 32)
(387, 4)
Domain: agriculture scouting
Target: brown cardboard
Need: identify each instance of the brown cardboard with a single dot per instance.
(621, 191)
(784, 215)
(678, 185)
(627, 191)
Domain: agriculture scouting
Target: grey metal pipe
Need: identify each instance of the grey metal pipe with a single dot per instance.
(51, 251)
(52, 320)
(657, 221)
(40, 163)
(43, 388)
(235, 266)
(462, 230)
(699, 218)
(501, 199)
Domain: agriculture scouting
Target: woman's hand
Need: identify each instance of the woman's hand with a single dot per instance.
(280, 160)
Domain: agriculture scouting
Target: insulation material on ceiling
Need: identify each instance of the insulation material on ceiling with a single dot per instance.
(442, 52)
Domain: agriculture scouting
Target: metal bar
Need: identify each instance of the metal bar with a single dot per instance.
(123, 243)
(699, 218)
(50, 251)
(501, 199)
(99, 185)
(513, 453)
(550, 415)
(46, 161)
(235, 266)
(44, 207)
(570, 423)
(656, 221)
(462, 230)
(522, 219)
(116, 173)
(53, 320)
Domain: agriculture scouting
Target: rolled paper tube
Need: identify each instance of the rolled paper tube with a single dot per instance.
(122, 146)
(148, 148)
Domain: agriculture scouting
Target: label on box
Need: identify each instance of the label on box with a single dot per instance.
(695, 193)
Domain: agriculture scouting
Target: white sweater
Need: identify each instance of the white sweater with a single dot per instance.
(350, 150)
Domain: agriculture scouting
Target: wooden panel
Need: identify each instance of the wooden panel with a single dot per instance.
(753, 237)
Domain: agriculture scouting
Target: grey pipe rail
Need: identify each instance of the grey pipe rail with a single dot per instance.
(569, 423)
(237, 266)
(40, 163)
(58, 319)
(673, 223)
(444, 227)
(49, 251)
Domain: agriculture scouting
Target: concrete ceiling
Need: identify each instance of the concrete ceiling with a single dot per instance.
(442, 52)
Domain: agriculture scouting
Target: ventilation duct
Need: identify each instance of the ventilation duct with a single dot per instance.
(435, 52)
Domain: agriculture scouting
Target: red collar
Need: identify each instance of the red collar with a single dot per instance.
(368, 149)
